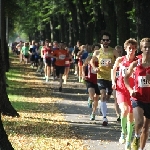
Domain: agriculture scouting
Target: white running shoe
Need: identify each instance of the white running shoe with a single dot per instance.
(75, 72)
(122, 139)
(47, 80)
(44, 78)
(105, 121)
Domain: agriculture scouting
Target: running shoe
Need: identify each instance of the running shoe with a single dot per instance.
(60, 89)
(128, 146)
(105, 121)
(47, 79)
(92, 117)
(118, 119)
(135, 143)
(44, 78)
(122, 138)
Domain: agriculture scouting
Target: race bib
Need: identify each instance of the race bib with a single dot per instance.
(93, 71)
(117, 74)
(103, 62)
(142, 82)
(124, 70)
(67, 62)
(62, 57)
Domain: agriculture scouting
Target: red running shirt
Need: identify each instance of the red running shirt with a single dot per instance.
(92, 75)
(122, 71)
(67, 61)
(142, 86)
(46, 52)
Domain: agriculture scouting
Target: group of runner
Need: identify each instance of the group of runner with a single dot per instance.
(129, 77)
(105, 71)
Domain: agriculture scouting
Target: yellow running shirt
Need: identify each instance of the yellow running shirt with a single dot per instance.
(105, 72)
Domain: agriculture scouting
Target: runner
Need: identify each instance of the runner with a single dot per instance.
(46, 51)
(140, 95)
(123, 96)
(54, 47)
(106, 57)
(41, 63)
(33, 49)
(68, 61)
(119, 50)
(19, 47)
(82, 55)
(76, 59)
(60, 55)
(91, 82)
(25, 52)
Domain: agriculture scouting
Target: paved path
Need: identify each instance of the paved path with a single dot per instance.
(74, 107)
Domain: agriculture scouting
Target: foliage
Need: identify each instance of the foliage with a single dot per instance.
(31, 17)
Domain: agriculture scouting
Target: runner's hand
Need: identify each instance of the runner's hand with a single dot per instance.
(97, 70)
(132, 93)
(114, 86)
(108, 64)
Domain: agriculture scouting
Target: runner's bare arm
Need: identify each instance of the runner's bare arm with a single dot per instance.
(80, 53)
(87, 61)
(116, 54)
(92, 62)
(113, 72)
(128, 74)
(53, 55)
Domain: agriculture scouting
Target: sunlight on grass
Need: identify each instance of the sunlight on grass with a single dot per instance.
(41, 125)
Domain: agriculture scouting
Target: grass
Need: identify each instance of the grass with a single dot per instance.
(41, 126)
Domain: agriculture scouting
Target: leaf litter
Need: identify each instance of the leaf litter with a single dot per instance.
(41, 126)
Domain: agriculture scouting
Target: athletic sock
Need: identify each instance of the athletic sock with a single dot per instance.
(123, 124)
(103, 107)
(129, 131)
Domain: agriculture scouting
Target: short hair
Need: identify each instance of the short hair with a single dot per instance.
(118, 47)
(106, 33)
(93, 46)
(47, 40)
(144, 40)
(130, 41)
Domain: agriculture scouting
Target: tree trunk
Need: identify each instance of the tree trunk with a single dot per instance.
(99, 21)
(62, 28)
(75, 27)
(110, 18)
(4, 142)
(142, 18)
(122, 21)
(6, 107)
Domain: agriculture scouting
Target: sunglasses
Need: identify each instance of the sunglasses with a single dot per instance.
(105, 40)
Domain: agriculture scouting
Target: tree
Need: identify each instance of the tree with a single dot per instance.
(6, 107)
(142, 12)
(110, 18)
(4, 142)
(123, 28)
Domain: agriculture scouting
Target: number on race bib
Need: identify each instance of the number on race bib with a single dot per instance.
(62, 57)
(123, 70)
(104, 61)
(67, 62)
(117, 74)
(142, 82)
